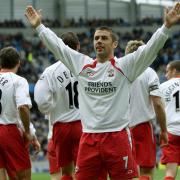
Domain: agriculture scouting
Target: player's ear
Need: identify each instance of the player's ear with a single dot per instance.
(174, 72)
(115, 44)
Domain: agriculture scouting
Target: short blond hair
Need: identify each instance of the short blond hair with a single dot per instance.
(175, 65)
(132, 46)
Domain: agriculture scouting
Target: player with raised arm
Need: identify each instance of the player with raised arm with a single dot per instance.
(145, 106)
(103, 86)
(171, 93)
(57, 97)
(14, 107)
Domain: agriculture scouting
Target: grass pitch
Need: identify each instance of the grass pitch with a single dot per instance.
(159, 174)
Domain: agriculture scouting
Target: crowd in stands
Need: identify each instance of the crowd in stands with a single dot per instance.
(35, 57)
(68, 23)
(150, 21)
(95, 22)
(12, 24)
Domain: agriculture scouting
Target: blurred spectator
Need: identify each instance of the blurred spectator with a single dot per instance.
(146, 21)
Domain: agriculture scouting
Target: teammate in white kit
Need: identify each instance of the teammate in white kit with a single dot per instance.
(57, 97)
(171, 93)
(145, 106)
(104, 95)
(14, 107)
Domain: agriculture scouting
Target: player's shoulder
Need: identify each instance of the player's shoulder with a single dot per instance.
(52, 67)
(150, 74)
(165, 84)
(18, 78)
(58, 66)
(149, 70)
(171, 81)
(146, 73)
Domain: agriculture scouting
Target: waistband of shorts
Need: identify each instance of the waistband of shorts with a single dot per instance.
(146, 122)
(15, 125)
(72, 122)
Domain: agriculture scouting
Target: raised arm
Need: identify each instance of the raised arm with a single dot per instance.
(135, 63)
(71, 58)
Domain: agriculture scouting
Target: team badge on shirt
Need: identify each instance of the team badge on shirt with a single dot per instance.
(111, 73)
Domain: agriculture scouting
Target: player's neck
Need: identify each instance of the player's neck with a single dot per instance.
(3, 70)
(103, 59)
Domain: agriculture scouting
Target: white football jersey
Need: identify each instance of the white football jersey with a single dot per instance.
(104, 87)
(141, 107)
(56, 94)
(14, 92)
(171, 93)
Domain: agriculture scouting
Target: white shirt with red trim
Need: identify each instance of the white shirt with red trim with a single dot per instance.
(171, 94)
(14, 92)
(56, 94)
(104, 87)
(141, 107)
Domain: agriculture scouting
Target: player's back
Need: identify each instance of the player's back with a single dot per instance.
(171, 94)
(141, 108)
(63, 103)
(11, 94)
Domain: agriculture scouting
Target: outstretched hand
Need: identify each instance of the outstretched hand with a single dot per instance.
(172, 16)
(34, 17)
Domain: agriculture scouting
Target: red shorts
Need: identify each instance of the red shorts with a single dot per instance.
(14, 154)
(171, 152)
(145, 145)
(66, 137)
(111, 151)
(53, 165)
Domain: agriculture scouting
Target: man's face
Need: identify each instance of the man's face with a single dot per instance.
(170, 73)
(103, 44)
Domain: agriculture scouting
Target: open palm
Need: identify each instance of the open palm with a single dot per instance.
(172, 15)
(33, 16)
